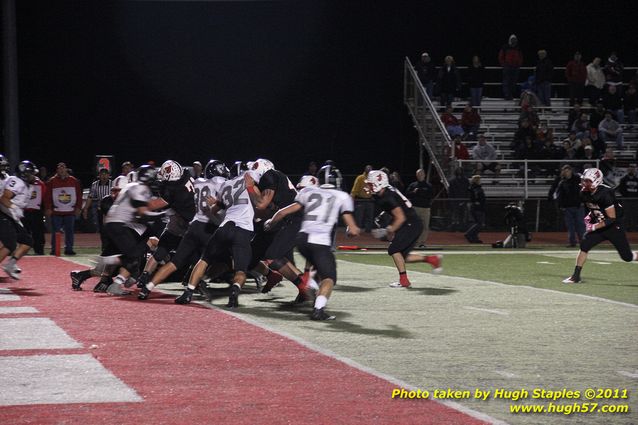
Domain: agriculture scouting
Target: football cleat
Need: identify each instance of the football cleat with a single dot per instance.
(144, 278)
(320, 314)
(103, 284)
(400, 285)
(185, 298)
(116, 289)
(144, 293)
(233, 299)
(571, 279)
(436, 262)
(12, 270)
(77, 278)
(273, 279)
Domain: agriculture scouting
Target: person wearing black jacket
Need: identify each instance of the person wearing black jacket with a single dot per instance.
(426, 71)
(566, 191)
(458, 195)
(477, 209)
(543, 77)
(628, 188)
(449, 81)
(475, 80)
(420, 194)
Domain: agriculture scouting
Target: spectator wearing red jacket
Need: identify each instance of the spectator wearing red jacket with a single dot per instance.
(511, 58)
(33, 219)
(576, 74)
(63, 203)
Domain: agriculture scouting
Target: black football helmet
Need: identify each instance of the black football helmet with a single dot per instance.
(216, 168)
(26, 170)
(238, 168)
(330, 176)
(146, 174)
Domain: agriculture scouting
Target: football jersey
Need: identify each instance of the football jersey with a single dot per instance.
(391, 199)
(322, 208)
(35, 196)
(21, 195)
(233, 197)
(3, 179)
(124, 209)
(285, 191)
(597, 202)
(180, 196)
(203, 189)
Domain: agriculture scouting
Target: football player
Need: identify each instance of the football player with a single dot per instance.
(602, 223)
(4, 166)
(405, 228)
(232, 237)
(199, 230)
(14, 238)
(321, 208)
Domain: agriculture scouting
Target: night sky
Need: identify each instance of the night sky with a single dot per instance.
(289, 81)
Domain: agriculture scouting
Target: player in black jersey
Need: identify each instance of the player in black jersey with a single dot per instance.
(405, 228)
(603, 222)
(271, 192)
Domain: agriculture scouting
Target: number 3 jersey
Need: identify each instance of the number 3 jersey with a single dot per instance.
(21, 194)
(203, 189)
(597, 202)
(322, 208)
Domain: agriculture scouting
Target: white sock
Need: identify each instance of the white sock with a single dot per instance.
(321, 302)
(150, 286)
(313, 284)
(119, 279)
(191, 286)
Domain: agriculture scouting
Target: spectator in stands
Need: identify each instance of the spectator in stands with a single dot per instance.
(581, 126)
(574, 114)
(63, 203)
(613, 72)
(477, 209)
(395, 181)
(460, 151)
(597, 116)
(574, 141)
(585, 143)
(475, 80)
(595, 81)
(458, 194)
(612, 101)
(420, 194)
(529, 113)
(99, 189)
(610, 130)
(43, 173)
(528, 98)
(628, 188)
(312, 169)
(427, 73)
(630, 103)
(510, 58)
(363, 202)
(576, 75)
(598, 144)
(524, 131)
(568, 151)
(543, 76)
(608, 162)
(485, 152)
(449, 81)
(550, 151)
(566, 191)
(470, 120)
(451, 123)
(197, 170)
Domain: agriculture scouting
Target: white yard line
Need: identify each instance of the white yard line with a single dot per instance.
(486, 310)
(633, 375)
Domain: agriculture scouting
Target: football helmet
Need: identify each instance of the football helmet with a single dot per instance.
(591, 179)
(170, 171)
(119, 183)
(330, 176)
(376, 181)
(26, 170)
(238, 169)
(307, 181)
(216, 168)
(146, 174)
(4, 163)
(260, 166)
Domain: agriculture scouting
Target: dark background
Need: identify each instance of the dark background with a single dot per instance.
(289, 81)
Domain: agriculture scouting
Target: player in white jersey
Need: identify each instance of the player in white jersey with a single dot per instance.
(200, 229)
(232, 237)
(14, 238)
(321, 207)
(4, 166)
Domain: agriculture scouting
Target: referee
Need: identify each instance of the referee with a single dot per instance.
(99, 189)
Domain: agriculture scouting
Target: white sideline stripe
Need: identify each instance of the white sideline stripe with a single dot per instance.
(544, 262)
(506, 374)
(60, 379)
(11, 310)
(601, 262)
(351, 363)
(590, 297)
(486, 310)
(33, 333)
(7, 297)
(633, 375)
(486, 252)
(5, 291)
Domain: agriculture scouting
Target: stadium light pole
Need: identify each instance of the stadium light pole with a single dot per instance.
(10, 82)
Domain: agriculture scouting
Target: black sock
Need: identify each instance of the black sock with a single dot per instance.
(576, 274)
(13, 257)
(400, 273)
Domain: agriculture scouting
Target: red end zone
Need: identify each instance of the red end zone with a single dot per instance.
(192, 364)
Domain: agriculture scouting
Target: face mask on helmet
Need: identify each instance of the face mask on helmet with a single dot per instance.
(260, 166)
(26, 171)
(170, 171)
(146, 174)
(591, 179)
(307, 181)
(216, 168)
(376, 181)
(329, 176)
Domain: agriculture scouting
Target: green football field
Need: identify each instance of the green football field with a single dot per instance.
(492, 320)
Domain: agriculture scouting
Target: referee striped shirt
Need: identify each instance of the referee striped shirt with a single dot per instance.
(99, 190)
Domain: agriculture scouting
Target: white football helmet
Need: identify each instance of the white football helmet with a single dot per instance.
(120, 183)
(591, 179)
(260, 166)
(307, 181)
(376, 181)
(132, 176)
(170, 171)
